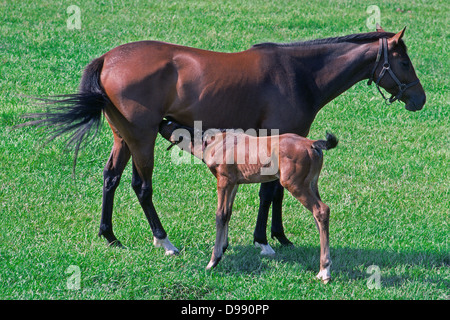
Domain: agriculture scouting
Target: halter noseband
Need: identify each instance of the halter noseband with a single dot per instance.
(383, 47)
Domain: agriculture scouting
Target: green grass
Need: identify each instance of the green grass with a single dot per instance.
(386, 184)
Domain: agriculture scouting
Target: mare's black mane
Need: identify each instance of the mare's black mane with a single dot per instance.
(357, 37)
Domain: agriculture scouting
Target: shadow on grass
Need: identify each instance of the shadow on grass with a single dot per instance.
(348, 263)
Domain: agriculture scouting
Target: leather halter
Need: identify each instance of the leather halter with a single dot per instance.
(402, 87)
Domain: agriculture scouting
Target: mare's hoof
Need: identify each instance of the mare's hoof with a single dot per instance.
(116, 244)
(282, 239)
(169, 248)
(266, 249)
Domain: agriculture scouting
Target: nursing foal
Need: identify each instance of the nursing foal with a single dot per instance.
(236, 158)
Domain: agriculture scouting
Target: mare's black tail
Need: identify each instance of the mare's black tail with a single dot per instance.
(328, 144)
(74, 114)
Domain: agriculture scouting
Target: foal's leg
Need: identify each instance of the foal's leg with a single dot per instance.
(142, 184)
(309, 197)
(118, 159)
(226, 193)
(322, 218)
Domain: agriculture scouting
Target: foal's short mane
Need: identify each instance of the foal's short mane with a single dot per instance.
(357, 37)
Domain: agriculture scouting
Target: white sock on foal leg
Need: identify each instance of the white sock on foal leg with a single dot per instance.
(325, 275)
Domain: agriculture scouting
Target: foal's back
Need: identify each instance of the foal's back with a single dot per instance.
(242, 158)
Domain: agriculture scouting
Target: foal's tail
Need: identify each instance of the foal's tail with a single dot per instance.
(328, 144)
(74, 114)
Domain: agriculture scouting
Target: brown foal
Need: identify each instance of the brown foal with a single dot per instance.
(237, 158)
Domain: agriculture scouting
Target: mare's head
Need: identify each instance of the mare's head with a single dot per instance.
(396, 74)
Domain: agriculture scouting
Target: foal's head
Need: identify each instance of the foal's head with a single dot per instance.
(401, 80)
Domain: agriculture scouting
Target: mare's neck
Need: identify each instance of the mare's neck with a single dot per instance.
(337, 67)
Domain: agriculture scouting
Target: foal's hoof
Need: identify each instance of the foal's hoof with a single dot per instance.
(324, 275)
(169, 248)
(213, 263)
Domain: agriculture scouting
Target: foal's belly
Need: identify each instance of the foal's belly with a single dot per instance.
(248, 173)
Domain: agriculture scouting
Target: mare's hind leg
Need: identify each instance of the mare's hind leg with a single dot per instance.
(112, 172)
(142, 185)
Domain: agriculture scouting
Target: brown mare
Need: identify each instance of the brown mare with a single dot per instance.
(269, 86)
(236, 158)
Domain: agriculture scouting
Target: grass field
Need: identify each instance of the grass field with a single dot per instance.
(387, 183)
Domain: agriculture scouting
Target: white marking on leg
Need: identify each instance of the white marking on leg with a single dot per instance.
(266, 249)
(210, 265)
(324, 275)
(169, 248)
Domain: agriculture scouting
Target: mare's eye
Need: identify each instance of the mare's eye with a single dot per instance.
(405, 64)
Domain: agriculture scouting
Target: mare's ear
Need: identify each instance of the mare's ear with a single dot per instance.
(379, 28)
(395, 39)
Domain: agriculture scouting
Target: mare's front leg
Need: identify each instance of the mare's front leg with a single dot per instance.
(269, 192)
(277, 230)
(226, 193)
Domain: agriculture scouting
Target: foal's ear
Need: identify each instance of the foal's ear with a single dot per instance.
(395, 39)
(379, 28)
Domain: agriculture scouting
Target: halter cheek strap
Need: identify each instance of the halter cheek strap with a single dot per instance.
(377, 61)
(402, 87)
